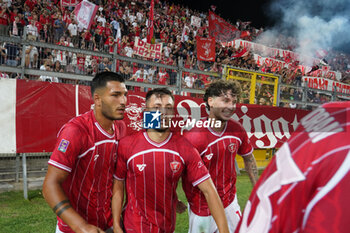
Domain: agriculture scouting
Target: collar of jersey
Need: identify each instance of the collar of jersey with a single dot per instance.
(155, 143)
(218, 134)
(105, 132)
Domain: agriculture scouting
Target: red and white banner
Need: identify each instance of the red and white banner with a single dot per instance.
(205, 48)
(242, 53)
(148, 50)
(327, 84)
(66, 3)
(196, 21)
(32, 115)
(85, 13)
(271, 62)
(222, 30)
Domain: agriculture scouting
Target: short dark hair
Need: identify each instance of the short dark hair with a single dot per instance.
(100, 80)
(221, 87)
(159, 92)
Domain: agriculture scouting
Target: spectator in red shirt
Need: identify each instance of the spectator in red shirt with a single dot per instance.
(4, 20)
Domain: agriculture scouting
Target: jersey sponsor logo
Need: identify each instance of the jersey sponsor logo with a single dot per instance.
(141, 167)
(175, 166)
(200, 164)
(209, 156)
(63, 145)
(96, 156)
(232, 147)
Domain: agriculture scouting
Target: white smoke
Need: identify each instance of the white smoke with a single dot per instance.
(314, 24)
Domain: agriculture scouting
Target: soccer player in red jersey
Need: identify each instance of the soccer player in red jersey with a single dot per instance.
(151, 163)
(79, 181)
(305, 188)
(218, 147)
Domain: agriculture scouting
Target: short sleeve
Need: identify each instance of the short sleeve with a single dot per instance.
(196, 172)
(68, 147)
(246, 147)
(121, 166)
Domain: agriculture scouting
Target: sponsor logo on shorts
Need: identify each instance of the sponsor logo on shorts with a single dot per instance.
(63, 145)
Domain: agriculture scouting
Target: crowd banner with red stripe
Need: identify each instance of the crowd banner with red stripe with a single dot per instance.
(264, 53)
(8, 115)
(85, 13)
(150, 23)
(326, 84)
(205, 48)
(148, 50)
(33, 112)
(221, 30)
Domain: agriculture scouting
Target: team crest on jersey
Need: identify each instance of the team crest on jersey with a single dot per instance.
(63, 145)
(209, 156)
(141, 167)
(175, 166)
(232, 147)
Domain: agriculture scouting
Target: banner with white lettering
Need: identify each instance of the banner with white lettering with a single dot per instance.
(326, 84)
(148, 50)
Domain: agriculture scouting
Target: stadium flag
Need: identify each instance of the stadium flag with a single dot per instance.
(221, 30)
(84, 13)
(205, 48)
(184, 32)
(196, 21)
(150, 23)
(245, 34)
(242, 53)
(66, 3)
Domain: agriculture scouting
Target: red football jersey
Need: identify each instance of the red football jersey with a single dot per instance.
(306, 188)
(218, 152)
(152, 171)
(88, 153)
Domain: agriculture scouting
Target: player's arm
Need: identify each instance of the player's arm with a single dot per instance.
(215, 205)
(117, 204)
(58, 201)
(251, 168)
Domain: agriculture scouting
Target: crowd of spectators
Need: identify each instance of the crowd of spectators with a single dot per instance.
(116, 25)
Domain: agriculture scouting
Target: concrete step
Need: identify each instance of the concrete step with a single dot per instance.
(33, 183)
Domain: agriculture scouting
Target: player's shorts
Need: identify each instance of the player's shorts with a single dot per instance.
(110, 230)
(206, 224)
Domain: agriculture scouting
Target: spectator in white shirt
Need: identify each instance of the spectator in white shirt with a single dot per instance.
(32, 30)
